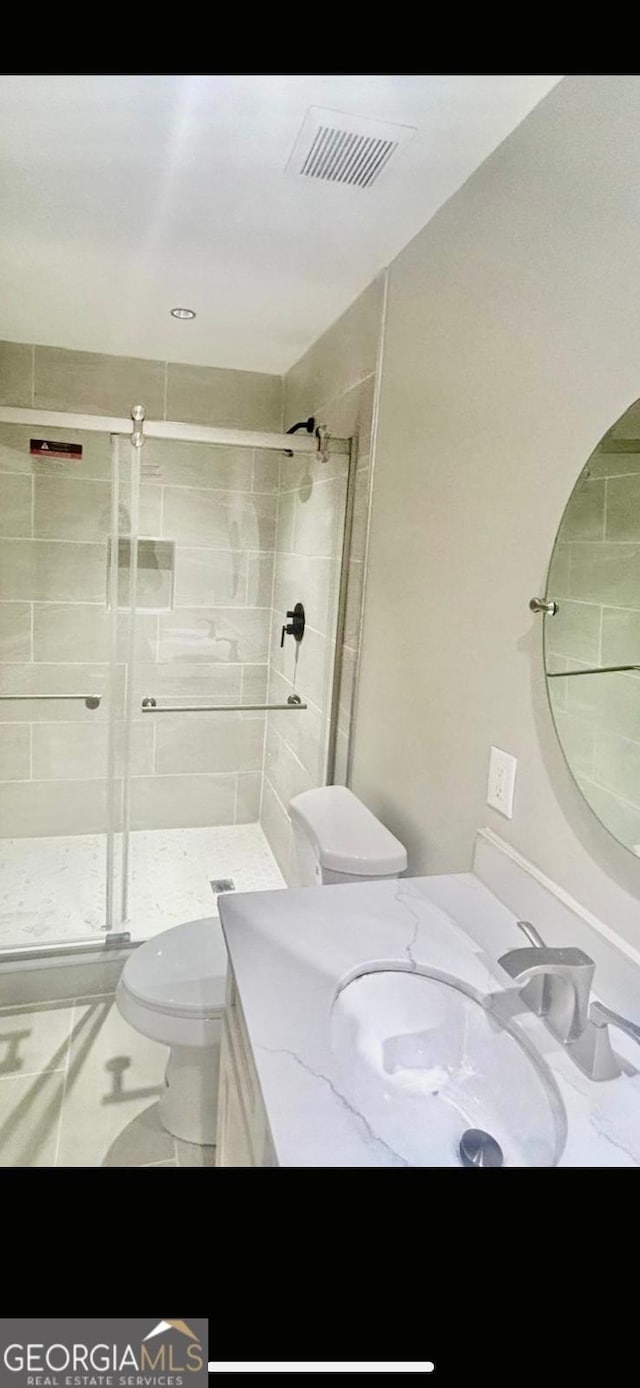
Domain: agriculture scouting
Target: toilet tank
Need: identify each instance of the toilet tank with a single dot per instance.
(337, 839)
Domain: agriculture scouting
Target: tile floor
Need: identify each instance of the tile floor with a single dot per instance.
(79, 1087)
(54, 888)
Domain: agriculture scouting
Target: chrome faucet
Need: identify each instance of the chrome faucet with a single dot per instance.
(567, 974)
(557, 987)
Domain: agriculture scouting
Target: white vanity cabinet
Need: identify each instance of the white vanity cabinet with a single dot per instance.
(243, 1137)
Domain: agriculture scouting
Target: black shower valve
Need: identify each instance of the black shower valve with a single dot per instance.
(294, 627)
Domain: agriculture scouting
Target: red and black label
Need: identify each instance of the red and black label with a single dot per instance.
(50, 448)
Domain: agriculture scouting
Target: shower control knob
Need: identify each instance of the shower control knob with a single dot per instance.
(294, 627)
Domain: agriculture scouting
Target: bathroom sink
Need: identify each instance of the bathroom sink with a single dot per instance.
(423, 1060)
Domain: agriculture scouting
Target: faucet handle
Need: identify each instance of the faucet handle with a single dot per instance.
(534, 937)
(592, 1051)
(537, 993)
(601, 1015)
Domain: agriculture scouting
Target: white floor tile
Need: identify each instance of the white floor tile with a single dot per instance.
(35, 1040)
(110, 1106)
(29, 1116)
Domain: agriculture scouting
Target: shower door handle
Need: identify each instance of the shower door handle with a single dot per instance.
(89, 700)
(294, 702)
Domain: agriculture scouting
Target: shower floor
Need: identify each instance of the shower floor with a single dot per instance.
(53, 889)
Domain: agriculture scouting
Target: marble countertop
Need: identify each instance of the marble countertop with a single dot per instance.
(292, 951)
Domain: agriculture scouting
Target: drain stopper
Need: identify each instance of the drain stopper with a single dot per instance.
(478, 1148)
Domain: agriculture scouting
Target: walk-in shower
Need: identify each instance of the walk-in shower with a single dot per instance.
(146, 569)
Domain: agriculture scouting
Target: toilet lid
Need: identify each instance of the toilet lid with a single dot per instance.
(182, 970)
(345, 835)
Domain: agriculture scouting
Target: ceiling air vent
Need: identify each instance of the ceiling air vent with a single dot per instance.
(345, 149)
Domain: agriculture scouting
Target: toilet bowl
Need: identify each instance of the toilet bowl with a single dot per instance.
(173, 987)
(172, 990)
(337, 839)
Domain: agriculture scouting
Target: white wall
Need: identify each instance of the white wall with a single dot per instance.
(513, 343)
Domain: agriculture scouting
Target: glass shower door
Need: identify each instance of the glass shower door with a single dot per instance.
(62, 685)
(203, 629)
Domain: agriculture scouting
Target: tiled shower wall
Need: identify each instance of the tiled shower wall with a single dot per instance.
(595, 575)
(219, 508)
(334, 381)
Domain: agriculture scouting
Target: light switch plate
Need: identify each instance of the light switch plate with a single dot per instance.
(501, 781)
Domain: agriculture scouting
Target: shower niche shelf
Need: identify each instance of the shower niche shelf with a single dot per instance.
(155, 575)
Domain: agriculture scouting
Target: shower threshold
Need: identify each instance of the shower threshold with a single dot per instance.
(52, 889)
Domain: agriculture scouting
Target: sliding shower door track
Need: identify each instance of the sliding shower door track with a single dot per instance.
(13, 954)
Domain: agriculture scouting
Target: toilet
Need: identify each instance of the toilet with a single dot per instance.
(337, 839)
(172, 988)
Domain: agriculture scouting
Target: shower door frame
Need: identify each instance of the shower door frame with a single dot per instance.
(136, 430)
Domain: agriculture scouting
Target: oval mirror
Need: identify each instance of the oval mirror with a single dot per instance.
(592, 642)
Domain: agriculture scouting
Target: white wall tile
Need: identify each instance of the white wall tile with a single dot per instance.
(75, 751)
(182, 464)
(29, 808)
(211, 742)
(15, 631)
(210, 577)
(167, 802)
(319, 519)
(221, 520)
(216, 634)
(226, 399)
(15, 762)
(277, 827)
(72, 631)
(16, 373)
(345, 354)
(259, 579)
(52, 571)
(287, 775)
(311, 581)
(186, 683)
(249, 793)
(95, 383)
(303, 731)
(15, 504)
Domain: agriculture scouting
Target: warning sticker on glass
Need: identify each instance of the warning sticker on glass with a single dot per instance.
(51, 448)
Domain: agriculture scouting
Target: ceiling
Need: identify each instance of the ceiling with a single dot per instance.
(123, 197)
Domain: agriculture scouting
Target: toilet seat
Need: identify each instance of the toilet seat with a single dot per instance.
(181, 971)
(172, 988)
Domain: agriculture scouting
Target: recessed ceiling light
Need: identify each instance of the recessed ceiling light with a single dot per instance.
(183, 313)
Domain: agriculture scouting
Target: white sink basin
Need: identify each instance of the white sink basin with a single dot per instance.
(423, 1060)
